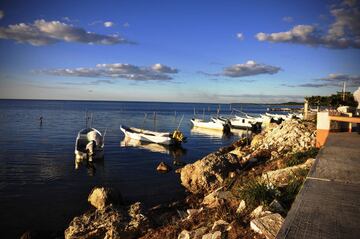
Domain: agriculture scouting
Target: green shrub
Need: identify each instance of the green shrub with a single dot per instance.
(301, 157)
(257, 192)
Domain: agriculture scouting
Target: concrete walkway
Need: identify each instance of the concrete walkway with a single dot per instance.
(328, 205)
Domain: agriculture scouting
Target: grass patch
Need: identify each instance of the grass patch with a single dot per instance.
(257, 192)
(288, 194)
(301, 157)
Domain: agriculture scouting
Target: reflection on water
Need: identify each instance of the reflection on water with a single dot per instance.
(90, 167)
(242, 133)
(209, 132)
(176, 151)
(220, 134)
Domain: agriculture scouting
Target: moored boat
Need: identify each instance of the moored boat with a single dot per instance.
(89, 144)
(214, 123)
(165, 138)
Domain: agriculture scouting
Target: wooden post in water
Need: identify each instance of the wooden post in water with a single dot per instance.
(154, 121)
(203, 113)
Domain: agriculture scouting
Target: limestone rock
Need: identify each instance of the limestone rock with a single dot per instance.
(184, 234)
(241, 207)
(257, 140)
(268, 225)
(281, 177)
(193, 212)
(198, 233)
(100, 197)
(238, 152)
(259, 212)
(195, 234)
(208, 173)
(220, 225)
(163, 167)
(109, 222)
(215, 198)
(214, 235)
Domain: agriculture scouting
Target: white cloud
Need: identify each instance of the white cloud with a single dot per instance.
(334, 79)
(157, 72)
(163, 68)
(344, 32)
(261, 98)
(42, 32)
(351, 80)
(240, 36)
(250, 68)
(2, 14)
(109, 24)
(287, 19)
(126, 24)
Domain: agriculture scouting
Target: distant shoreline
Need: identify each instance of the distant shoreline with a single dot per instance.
(169, 102)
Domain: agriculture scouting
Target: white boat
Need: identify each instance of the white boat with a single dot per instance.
(89, 144)
(242, 122)
(214, 123)
(165, 138)
(257, 119)
(279, 116)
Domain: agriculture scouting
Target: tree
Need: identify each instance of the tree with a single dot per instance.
(334, 100)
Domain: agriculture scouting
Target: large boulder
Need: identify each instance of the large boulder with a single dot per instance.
(209, 172)
(100, 197)
(109, 222)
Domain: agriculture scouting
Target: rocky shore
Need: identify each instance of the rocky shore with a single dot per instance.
(240, 191)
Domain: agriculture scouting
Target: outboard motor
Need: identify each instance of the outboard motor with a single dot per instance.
(227, 127)
(90, 149)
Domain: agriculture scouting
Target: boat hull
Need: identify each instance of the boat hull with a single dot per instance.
(208, 125)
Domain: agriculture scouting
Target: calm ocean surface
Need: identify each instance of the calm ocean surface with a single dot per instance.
(39, 185)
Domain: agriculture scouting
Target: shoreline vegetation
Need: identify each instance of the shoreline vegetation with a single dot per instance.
(240, 191)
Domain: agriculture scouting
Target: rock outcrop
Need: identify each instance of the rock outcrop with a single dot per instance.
(289, 136)
(110, 219)
(209, 172)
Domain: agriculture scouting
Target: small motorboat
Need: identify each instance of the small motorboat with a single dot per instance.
(240, 122)
(214, 123)
(166, 138)
(89, 144)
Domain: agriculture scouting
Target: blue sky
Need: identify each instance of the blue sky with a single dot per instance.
(192, 51)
